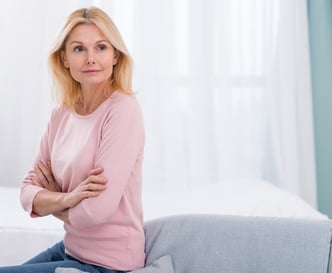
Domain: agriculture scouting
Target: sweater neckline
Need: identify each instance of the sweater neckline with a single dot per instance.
(95, 112)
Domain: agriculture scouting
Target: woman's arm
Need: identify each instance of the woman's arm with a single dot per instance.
(48, 201)
(120, 152)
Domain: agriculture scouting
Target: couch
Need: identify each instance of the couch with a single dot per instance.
(240, 226)
(25, 237)
(235, 244)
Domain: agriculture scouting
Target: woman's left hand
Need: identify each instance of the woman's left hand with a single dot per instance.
(45, 177)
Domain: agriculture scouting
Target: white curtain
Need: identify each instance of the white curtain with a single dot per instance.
(224, 87)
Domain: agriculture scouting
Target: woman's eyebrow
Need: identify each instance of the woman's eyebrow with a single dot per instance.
(97, 42)
(76, 42)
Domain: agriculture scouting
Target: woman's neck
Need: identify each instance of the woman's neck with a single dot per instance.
(91, 100)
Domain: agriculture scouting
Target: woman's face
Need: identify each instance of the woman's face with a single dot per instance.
(89, 56)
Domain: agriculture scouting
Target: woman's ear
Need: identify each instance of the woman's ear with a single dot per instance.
(64, 59)
(116, 56)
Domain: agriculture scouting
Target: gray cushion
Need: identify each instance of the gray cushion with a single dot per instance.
(68, 270)
(239, 244)
(160, 265)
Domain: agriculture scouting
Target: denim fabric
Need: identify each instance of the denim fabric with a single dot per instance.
(48, 260)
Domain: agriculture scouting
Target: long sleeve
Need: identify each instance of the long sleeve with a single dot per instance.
(120, 148)
(28, 190)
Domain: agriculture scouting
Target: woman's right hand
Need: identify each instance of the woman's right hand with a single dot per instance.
(92, 186)
(44, 177)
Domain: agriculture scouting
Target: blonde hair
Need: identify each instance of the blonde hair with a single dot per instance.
(68, 91)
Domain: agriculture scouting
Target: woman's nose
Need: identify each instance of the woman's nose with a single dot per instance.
(90, 58)
(91, 61)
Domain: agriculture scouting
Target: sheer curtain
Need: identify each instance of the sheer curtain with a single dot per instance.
(224, 87)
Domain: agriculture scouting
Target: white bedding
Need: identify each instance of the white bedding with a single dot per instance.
(237, 197)
(22, 237)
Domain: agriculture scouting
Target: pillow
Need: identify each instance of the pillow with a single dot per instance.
(161, 265)
(68, 270)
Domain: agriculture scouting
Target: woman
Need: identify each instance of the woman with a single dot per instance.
(88, 170)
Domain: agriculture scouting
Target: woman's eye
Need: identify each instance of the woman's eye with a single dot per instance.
(78, 48)
(101, 47)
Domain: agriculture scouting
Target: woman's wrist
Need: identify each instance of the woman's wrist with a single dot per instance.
(47, 202)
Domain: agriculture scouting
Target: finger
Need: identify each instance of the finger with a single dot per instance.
(96, 171)
(49, 165)
(88, 194)
(95, 187)
(96, 179)
(45, 170)
(41, 178)
(49, 168)
(35, 181)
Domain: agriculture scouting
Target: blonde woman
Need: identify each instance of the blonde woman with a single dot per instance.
(88, 169)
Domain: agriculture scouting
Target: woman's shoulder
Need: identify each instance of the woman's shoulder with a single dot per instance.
(119, 100)
(59, 110)
(120, 97)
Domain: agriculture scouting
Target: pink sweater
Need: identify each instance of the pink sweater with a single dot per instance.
(106, 230)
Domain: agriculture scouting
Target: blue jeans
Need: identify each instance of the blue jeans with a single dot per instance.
(48, 260)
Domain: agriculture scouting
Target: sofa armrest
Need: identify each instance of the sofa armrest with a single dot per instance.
(240, 244)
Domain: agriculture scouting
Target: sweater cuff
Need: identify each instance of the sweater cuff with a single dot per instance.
(27, 196)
